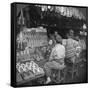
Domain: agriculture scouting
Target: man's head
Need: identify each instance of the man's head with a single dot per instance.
(58, 39)
(71, 32)
(56, 33)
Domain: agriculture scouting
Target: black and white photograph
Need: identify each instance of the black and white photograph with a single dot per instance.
(49, 44)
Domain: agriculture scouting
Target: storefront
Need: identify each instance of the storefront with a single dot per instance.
(32, 36)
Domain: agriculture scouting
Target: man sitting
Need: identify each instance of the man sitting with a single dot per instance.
(71, 46)
(56, 59)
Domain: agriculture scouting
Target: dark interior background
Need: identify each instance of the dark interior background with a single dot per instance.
(52, 21)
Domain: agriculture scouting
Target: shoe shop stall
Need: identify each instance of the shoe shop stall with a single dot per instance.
(34, 25)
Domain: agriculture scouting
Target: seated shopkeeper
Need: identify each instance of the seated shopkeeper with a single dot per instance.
(56, 59)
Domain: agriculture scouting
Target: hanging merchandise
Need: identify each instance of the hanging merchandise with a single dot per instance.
(66, 11)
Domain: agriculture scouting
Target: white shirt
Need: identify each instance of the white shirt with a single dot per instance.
(58, 52)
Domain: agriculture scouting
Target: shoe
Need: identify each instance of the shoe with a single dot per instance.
(48, 81)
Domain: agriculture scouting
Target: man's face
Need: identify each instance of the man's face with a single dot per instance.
(56, 33)
(71, 32)
(59, 39)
